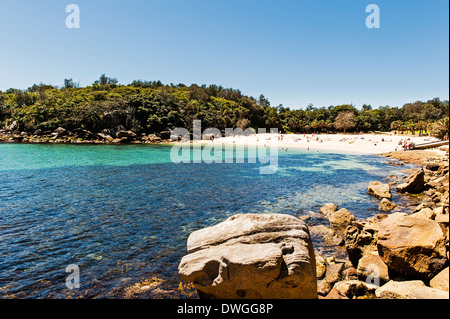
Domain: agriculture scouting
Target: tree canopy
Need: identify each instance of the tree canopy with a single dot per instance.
(151, 107)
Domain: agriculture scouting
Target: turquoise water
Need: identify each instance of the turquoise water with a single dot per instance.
(123, 213)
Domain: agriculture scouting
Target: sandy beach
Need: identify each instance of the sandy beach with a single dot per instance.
(349, 143)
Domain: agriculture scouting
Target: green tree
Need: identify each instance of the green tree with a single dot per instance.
(104, 80)
(70, 84)
(440, 128)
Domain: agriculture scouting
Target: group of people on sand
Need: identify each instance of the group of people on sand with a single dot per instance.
(407, 144)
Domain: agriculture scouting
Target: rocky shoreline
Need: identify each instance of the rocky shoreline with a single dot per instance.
(393, 255)
(117, 135)
(396, 255)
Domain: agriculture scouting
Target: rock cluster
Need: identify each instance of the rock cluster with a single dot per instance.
(117, 135)
(404, 256)
(394, 255)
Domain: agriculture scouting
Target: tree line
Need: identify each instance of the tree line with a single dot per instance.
(152, 107)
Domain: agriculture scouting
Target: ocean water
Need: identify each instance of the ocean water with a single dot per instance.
(123, 213)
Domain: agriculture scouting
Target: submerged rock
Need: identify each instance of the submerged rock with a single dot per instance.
(252, 256)
(328, 208)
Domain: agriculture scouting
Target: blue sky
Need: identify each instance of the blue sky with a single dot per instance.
(293, 52)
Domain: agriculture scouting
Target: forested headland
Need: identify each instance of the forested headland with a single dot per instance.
(151, 107)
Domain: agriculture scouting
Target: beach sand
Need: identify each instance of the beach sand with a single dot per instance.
(341, 143)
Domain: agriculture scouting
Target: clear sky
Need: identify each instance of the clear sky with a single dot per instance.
(293, 52)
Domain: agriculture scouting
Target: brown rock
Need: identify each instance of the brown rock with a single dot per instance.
(355, 289)
(350, 273)
(321, 265)
(359, 239)
(333, 273)
(425, 213)
(340, 218)
(328, 208)
(441, 280)
(127, 134)
(412, 246)
(415, 289)
(379, 190)
(371, 267)
(257, 256)
(323, 287)
(442, 219)
(415, 183)
(336, 294)
(386, 205)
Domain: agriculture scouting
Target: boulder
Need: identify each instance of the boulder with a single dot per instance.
(321, 265)
(355, 289)
(323, 287)
(414, 289)
(79, 132)
(127, 134)
(334, 272)
(444, 169)
(152, 138)
(328, 208)
(165, 135)
(432, 166)
(372, 268)
(442, 219)
(440, 281)
(336, 294)
(379, 190)
(105, 137)
(359, 239)
(256, 256)
(327, 234)
(426, 213)
(386, 205)
(12, 127)
(340, 218)
(61, 131)
(412, 246)
(350, 273)
(415, 183)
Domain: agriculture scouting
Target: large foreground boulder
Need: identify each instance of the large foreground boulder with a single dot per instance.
(252, 256)
(412, 246)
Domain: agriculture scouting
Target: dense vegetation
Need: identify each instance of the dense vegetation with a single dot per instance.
(152, 107)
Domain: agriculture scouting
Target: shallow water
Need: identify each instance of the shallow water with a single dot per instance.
(123, 213)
